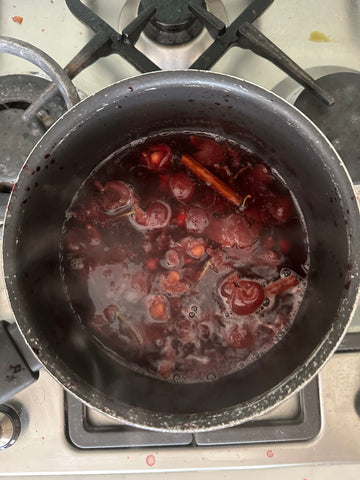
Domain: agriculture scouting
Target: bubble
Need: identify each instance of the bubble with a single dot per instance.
(176, 378)
(194, 308)
(211, 377)
(285, 272)
(159, 342)
(191, 314)
(266, 302)
(77, 263)
(227, 314)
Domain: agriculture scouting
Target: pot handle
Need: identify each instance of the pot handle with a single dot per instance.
(19, 367)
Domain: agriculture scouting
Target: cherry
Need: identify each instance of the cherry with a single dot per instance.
(247, 298)
(157, 215)
(152, 263)
(263, 334)
(280, 209)
(159, 308)
(172, 284)
(240, 337)
(257, 179)
(209, 152)
(196, 219)
(173, 259)
(284, 245)
(157, 157)
(182, 187)
(195, 247)
(76, 240)
(93, 235)
(268, 256)
(116, 195)
(233, 230)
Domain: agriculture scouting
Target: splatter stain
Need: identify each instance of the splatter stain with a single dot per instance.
(150, 460)
(270, 453)
(317, 36)
(42, 438)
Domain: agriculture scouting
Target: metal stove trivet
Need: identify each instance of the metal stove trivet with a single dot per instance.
(304, 424)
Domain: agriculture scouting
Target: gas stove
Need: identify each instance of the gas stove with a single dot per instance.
(48, 432)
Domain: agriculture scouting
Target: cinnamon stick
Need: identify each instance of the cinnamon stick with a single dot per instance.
(281, 285)
(211, 180)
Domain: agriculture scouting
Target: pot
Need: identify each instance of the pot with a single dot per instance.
(143, 106)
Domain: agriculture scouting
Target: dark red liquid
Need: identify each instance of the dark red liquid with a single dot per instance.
(167, 273)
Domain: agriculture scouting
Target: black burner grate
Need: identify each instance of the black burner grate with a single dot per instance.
(241, 33)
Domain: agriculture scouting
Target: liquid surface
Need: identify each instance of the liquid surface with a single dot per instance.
(185, 257)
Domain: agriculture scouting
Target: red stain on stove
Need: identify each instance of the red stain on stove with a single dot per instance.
(43, 29)
(128, 458)
(150, 460)
(270, 453)
(131, 89)
(42, 438)
(17, 19)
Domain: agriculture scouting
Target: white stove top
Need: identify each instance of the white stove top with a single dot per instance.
(42, 449)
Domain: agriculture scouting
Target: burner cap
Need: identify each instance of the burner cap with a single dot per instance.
(173, 22)
(340, 122)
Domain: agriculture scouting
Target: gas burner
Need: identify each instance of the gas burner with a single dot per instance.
(173, 23)
(186, 53)
(18, 137)
(339, 122)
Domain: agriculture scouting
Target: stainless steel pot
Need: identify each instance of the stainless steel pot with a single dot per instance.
(143, 106)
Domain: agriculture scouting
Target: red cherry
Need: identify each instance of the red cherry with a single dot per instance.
(284, 245)
(116, 195)
(268, 257)
(159, 308)
(257, 179)
(152, 263)
(182, 187)
(173, 259)
(157, 215)
(280, 209)
(172, 284)
(240, 337)
(233, 230)
(157, 157)
(195, 247)
(263, 335)
(196, 219)
(93, 235)
(247, 298)
(209, 152)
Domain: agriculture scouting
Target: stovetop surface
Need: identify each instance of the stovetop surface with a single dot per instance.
(43, 448)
